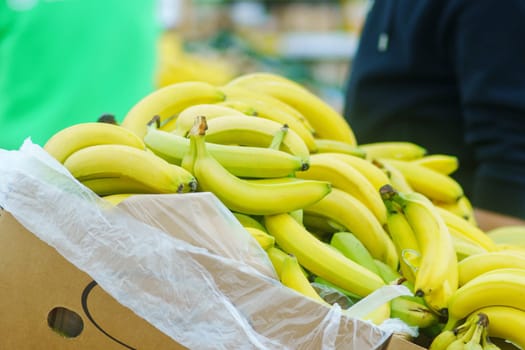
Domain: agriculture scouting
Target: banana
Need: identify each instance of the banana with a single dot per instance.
(412, 311)
(387, 273)
(335, 146)
(69, 140)
(186, 117)
(319, 258)
(475, 265)
(502, 287)
(346, 210)
(119, 185)
(465, 247)
(403, 238)
(242, 161)
(353, 249)
(325, 120)
(292, 277)
(462, 208)
(511, 234)
(115, 199)
(120, 161)
(318, 281)
(432, 184)
(505, 323)
(263, 238)
(442, 163)
(249, 197)
(396, 177)
(467, 230)
(368, 169)
(254, 131)
(240, 106)
(271, 108)
(443, 340)
(167, 102)
(438, 259)
(249, 221)
(321, 225)
(277, 257)
(393, 150)
(325, 167)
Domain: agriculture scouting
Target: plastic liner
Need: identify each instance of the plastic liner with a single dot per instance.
(182, 262)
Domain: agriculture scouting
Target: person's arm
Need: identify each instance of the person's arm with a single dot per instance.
(488, 51)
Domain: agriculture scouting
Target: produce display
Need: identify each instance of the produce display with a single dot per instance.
(336, 218)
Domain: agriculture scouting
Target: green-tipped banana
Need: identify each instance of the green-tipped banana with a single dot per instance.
(393, 150)
(250, 197)
(413, 311)
(354, 249)
(242, 161)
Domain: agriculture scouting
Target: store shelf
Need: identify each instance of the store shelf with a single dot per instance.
(317, 45)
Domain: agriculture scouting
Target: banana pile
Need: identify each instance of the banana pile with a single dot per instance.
(337, 219)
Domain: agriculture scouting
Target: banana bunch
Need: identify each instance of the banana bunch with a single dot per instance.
(337, 219)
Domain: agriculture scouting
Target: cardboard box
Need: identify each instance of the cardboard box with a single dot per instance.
(42, 291)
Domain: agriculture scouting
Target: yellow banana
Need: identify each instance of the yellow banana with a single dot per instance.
(505, 323)
(443, 340)
(438, 259)
(478, 264)
(325, 120)
(462, 208)
(393, 150)
(396, 177)
(351, 247)
(271, 108)
(502, 287)
(277, 257)
(263, 238)
(319, 258)
(467, 230)
(240, 106)
(139, 166)
(167, 102)
(432, 184)
(118, 185)
(342, 175)
(464, 247)
(254, 131)
(403, 238)
(368, 169)
(249, 221)
(69, 140)
(242, 161)
(249, 197)
(186, 117)
(115, 199)
(511, 234)
(442, 163)
(346, 210)
(293, 277)
(335, 146)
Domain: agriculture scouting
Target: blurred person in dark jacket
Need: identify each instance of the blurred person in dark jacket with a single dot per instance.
(449, 76)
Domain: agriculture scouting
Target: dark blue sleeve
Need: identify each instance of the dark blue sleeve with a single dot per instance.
(487, 47)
